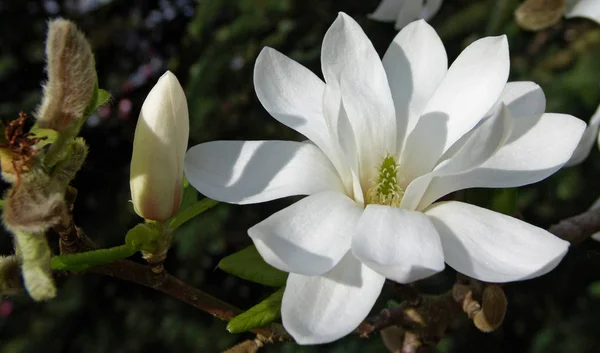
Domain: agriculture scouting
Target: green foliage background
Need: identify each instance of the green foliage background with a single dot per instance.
(211, 46)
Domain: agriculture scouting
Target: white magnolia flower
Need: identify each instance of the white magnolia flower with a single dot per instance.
(587, 140)
(386, 139)
(403, 12)
(583, 8)
(159, 145)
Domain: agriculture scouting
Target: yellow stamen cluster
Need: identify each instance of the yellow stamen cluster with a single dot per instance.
(386, 190)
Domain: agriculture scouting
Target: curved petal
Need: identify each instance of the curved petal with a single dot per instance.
(587, 140)
(243, 172)
(294, 96)
(401, 245)
(321, 309)
(584, 8)
(387, 10)
(431, 8)
(415, 64)
(470, 88)
(350, 62)
(493, 247)
(479, 146)
(537, 154)
(309, 237)
(524, 98)
(411, 10)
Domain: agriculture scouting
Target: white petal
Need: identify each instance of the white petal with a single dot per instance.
(415, 63)
(321, 309)
(538, 153)
(245, 172)
(401, 245)
(411, 10)
(587, 140)
(584, 8)
(493, 247)
(524, 98)
(309, 237)
(387, 10)
(294, 96)
(472, 85)
(431, 8)
(350, 62)
(480, 145)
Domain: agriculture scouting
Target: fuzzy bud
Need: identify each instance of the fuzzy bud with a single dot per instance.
(35, 255)
(159, 146)
(10, 275)
(34, 206)
(535, 15)
(71, 76)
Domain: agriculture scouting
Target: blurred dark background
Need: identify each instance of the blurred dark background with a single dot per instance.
(211, 46)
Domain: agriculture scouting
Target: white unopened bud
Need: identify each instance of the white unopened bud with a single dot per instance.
(159, 146)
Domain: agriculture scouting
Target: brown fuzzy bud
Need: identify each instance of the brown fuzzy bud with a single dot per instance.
(66, 169)
(71, 76)
(33, 206)
(10, 275)
(535, 15)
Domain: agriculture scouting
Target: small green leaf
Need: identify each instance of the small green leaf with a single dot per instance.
(191, 211)
(259, 315)
(49, 135)
(249, 265)
(103, 97)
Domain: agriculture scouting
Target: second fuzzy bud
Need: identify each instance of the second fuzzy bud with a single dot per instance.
(159, 146)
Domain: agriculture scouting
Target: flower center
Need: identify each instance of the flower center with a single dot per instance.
(386, 190)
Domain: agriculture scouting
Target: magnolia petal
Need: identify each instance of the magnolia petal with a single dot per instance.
(321, 309)
(350, 61)
(470, 88)
(526, 160)
(415, 64)
(584, 8)
(587, 140)
(387, 10)
(401, 245)
(244, 172)
(411, 10)
(309, 237)
(294, 96)
(430, 9)
(493, 247)
(480, 145)
(523, 98)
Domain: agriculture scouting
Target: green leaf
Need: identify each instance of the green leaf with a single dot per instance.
(259, 315)
(191, 211)
(102, 98)
(49, 135)
(249, 265)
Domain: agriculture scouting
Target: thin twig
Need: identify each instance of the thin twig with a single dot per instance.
(137, 273)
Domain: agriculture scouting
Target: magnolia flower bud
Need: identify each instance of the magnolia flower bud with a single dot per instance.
(159, 146)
